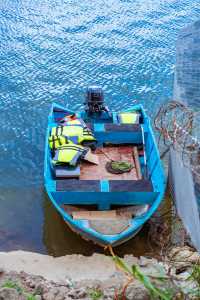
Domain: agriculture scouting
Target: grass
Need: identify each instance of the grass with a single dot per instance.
(134, 272)
(195, 277)
(151, 283)
(14, 285)
(169, 290)
(95, 294)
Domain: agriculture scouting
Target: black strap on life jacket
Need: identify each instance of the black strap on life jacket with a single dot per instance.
(61, 129)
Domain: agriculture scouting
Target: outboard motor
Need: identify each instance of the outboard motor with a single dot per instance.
(95, 101)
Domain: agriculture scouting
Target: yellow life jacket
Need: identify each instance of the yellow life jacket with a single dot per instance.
(87, 135)
(57, 141)
(69, 154)
(75, 130)
(129, 118)
(70, 132)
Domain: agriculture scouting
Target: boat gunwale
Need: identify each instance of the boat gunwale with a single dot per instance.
(136, 222)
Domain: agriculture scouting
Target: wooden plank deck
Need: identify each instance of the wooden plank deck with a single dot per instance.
(99, 172)
(106, 222)
(110, 227)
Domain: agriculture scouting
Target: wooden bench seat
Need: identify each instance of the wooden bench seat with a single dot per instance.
(75, 185)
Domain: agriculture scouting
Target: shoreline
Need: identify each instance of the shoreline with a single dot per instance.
(81, 277)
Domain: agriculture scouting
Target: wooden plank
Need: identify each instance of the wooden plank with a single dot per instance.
(75, 185)
(71, 208)
(133, 210)
(110, 227)
(91, 157)
(137, 162)
(100, 215)
(142, 185)
(90, 171)
(126, 211)
(122, 127)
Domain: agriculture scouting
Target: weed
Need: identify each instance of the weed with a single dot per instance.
(30, 297)
(13, 285)
(18, 288)
(195, 275)
(134, 272)
(95, 294)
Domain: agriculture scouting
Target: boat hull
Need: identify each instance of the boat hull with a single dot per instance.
(101, 243)
(104, 194)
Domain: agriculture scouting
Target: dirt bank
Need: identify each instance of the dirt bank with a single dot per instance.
(33, 276)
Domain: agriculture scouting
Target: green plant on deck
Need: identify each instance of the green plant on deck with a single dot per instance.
(95, 294)
(14, 285)
(134, 272)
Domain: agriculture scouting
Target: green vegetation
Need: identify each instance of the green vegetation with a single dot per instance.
(14, 285)
(195, 277)
(135, 273)
(30, 297)
(95, 294)
(161, 286)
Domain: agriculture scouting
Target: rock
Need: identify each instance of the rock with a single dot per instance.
(2, 270)
(60, 297)
(78, 293)
(31, 283)
(49, 296)
(9, 294)
(63, 289)
(183, 257)
(40, 288)
(145, 261)
(137, 291)
(109, 294)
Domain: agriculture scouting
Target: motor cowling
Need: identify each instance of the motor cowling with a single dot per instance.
(94, 100)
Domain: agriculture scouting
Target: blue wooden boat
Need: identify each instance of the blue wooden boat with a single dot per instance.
(107, 208)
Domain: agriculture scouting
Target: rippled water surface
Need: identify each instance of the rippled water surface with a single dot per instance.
(50, 51)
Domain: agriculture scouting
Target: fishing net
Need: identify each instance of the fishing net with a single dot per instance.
(118, 167)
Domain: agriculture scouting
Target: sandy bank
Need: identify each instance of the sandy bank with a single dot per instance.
(80, 277)
(75, 267)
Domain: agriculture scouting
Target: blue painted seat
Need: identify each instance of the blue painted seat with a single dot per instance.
(90, 192)
(117, 133)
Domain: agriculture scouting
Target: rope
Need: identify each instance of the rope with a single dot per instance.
(117, 166)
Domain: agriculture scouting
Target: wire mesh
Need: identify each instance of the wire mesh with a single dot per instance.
(179, 127)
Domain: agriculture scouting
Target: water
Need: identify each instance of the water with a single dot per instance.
(50, 51)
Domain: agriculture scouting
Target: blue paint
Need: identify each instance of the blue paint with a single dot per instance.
(118, 137)
(99, 127)
(106, 198)
(104, 185)
(49, 56)
(96, 198)
(115, 118)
